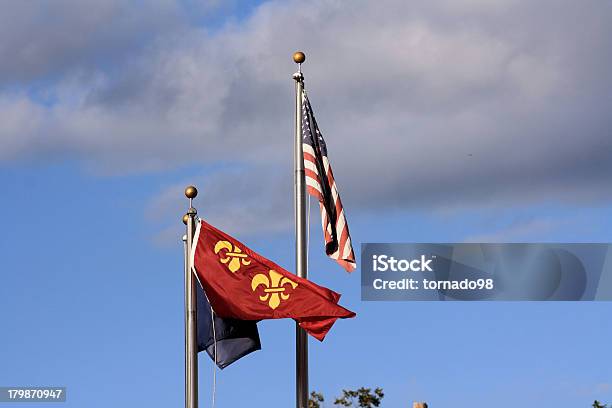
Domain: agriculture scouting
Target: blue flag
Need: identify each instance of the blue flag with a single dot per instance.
(235, 338)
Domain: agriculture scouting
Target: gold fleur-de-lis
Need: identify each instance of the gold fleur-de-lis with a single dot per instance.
(231, 255)
(275, 287)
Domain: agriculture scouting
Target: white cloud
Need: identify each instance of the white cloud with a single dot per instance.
(439, 104)
(231, 198)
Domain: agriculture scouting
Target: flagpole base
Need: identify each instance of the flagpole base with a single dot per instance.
(301, 359)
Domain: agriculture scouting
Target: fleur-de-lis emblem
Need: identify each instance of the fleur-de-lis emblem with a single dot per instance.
(275, 287)
(231, 255)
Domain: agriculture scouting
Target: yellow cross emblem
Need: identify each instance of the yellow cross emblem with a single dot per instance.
(231, 255)
(275, 287)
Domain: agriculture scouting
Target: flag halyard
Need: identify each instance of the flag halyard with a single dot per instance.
(224, 340)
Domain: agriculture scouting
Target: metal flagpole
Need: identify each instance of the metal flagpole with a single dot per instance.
(301, 267)
(191, 330)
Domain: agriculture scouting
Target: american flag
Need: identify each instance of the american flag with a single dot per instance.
(321, 184)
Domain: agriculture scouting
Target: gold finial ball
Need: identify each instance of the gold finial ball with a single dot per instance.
(185, 218)
(191, 192)
(299, 57)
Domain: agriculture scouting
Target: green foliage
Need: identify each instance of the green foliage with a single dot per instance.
(315, 399)
(597, 404)
(364, 396)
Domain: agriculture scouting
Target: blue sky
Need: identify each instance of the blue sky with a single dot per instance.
(445, 121)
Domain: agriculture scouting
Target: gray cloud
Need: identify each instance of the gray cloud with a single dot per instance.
(43, 40)
(522, 231)
(423, 104)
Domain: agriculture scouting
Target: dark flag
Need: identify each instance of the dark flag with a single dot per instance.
(242, 284)
(321, 184)
(235, 338)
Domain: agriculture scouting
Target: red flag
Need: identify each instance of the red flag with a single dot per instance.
(242, 284)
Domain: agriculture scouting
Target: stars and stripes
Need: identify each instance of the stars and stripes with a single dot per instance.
(320, 183)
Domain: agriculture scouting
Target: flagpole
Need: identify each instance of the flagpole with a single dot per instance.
(191, 330)
(301, 266)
